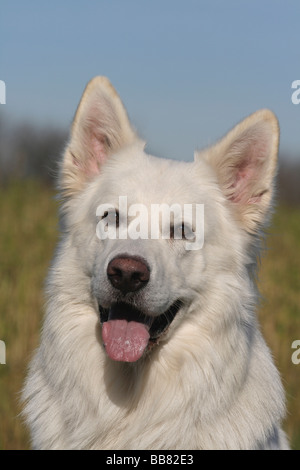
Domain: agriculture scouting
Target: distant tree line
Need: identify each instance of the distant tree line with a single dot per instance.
(288, 180)
(28, 151)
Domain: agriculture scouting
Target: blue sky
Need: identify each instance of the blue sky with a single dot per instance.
(186, 70)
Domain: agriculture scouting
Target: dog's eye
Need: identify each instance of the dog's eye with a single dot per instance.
(112, 217)
(177, 232)
(181, 231)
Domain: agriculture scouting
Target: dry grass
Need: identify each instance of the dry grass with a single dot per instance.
(28, 233)
(27, 238)
(280, 311)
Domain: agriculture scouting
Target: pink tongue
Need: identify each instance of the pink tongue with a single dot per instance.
(123, 340)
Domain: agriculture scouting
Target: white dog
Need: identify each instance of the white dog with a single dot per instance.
(151, 342)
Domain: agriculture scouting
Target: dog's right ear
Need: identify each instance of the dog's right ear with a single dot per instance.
(245, 163)
(100, 128)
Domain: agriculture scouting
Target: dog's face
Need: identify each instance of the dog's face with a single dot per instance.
(155, 233)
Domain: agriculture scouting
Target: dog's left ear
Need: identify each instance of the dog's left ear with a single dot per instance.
(100, 128)
(245, 161)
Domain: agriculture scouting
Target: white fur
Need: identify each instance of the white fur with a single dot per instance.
(211, 382)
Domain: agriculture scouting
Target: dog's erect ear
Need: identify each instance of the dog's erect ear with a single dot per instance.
(245, 162)
(101, 127)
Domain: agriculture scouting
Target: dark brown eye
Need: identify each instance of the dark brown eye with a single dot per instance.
(112, 217)
(181, 231)
(178, 231)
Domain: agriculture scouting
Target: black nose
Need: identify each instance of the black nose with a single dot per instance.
(128, 274)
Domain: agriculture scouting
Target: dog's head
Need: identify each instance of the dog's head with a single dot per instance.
(154, 235)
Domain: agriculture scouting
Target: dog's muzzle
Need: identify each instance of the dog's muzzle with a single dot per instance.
(127, 331)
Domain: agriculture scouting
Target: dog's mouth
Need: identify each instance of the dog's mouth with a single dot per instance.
(128, 332)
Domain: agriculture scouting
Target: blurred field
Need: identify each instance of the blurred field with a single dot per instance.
(28, 233)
